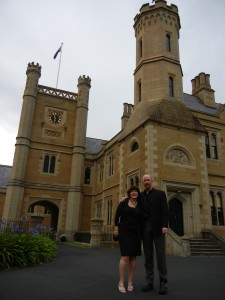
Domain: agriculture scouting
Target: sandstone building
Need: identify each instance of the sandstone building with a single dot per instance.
(68, 178)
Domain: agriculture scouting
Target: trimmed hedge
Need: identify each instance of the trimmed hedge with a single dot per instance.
(24, 250)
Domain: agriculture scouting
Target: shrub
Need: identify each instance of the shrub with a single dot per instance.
(23, 250)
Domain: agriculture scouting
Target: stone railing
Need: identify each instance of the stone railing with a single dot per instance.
(58, 93)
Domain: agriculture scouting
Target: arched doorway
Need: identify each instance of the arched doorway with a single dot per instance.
(176, 216)
(49, 209)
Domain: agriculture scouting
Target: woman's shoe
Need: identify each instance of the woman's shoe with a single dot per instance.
(130, 287)
(121, 289)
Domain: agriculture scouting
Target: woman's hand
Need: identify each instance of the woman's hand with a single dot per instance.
(123, 199)
(116, 230)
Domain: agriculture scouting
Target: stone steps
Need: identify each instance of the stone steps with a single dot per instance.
(205, 247)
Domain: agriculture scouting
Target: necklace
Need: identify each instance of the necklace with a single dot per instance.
(133, 203)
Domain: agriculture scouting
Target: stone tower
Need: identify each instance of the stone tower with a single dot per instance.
(75, 195)
(158, 73)
(158, 86)
(15, 190)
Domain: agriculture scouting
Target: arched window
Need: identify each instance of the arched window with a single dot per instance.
(168, 44)
(87, 176)
(171, 87)
(134, 146)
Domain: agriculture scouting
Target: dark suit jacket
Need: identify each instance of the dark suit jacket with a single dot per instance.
(159, 213)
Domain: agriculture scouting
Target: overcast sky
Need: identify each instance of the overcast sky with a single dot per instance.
(98, 41)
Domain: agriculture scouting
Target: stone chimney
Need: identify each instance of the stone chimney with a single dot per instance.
(201, 88)
(127, 112)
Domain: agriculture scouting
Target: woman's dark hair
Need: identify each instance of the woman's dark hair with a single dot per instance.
(133, 188)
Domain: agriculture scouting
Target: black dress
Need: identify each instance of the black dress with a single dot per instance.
(128, 219)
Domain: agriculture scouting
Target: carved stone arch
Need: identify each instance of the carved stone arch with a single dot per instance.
(177, 154)
(158, 15)
(152, 17)
(48, 205)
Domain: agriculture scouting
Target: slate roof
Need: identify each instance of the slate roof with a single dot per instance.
(194, 103)
(93, 145)
(5, 172)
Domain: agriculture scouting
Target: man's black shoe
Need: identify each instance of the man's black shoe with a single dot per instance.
(163, 288)
(148, 287)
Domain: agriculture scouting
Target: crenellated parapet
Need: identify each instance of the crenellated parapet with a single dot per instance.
(158, 12)
(157, 29)
(83, 80)
(34, 68)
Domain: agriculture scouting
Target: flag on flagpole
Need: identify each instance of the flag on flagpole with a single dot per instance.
(57, 52)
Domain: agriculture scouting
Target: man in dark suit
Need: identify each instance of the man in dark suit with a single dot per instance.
(155, 226)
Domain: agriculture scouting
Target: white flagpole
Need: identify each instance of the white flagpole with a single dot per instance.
(59, 66)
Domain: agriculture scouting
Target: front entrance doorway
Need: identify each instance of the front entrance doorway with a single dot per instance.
(176, 216)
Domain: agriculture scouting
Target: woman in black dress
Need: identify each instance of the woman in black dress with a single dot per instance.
(128, 227)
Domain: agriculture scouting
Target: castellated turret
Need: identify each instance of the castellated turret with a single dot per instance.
(14, 196)
(33, 74)
(75, 195)
(158, 73)
(84, 84)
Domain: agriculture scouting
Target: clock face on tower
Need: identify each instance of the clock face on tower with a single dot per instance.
(55, 117)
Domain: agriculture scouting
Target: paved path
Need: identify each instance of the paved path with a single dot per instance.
(90, 274)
